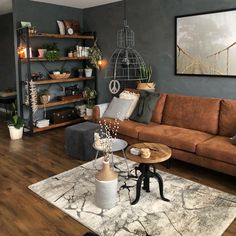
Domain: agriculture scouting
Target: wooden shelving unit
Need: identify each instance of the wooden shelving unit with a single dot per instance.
(59, 103)
(36, 130)
(37, 59)
(59, 36)
(24, 38)
(54, 81)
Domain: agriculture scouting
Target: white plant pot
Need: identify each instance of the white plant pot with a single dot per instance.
(15, 133)
(106, 193)
(88, 72)
(42, 53)
(89, 112)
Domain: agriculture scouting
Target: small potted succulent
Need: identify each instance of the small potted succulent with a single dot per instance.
(89, 94)
(145, 82)
(15, 125)
(88, 71)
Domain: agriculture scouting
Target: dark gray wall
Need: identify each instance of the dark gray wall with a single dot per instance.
(44, 16)
(153, 22)
(7, 62)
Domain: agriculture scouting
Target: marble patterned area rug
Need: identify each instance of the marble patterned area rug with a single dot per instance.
(194, 209)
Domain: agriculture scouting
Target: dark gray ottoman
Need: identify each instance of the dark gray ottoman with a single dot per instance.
(79, 141)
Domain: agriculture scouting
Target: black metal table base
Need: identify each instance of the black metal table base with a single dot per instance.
(145, 176)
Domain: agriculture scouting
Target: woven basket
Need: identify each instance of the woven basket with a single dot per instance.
(60, 76)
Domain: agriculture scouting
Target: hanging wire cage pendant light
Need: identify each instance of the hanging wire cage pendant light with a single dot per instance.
(125, 63)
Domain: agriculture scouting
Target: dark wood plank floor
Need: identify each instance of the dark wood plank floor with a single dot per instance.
(35, 158)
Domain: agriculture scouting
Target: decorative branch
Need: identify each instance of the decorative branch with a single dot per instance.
(108, 135)
(34, 96)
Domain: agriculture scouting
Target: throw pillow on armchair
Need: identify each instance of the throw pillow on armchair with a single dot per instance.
(146, 104)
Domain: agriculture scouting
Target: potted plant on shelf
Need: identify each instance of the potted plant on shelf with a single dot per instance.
(80, 72)
(52, 53)
(89, 94)
(15, 125)
(44, 96)
(145, 82)
(88, 71)
(70, 51)
(95, 55)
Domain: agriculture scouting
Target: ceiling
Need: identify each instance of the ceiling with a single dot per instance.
(6, 5)
(78, 3)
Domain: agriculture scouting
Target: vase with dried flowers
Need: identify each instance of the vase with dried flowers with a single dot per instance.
(106, 180)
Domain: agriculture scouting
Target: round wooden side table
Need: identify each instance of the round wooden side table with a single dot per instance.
(159, 153)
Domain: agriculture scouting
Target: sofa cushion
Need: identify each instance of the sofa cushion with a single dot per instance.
(129, 127)
(134, 97)
(146, 104)
(174, 137)
(117, 108)
(189, 112)
(158, 110)
(227, 123)
(218, 148)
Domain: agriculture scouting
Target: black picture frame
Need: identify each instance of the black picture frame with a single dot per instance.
(201, 44)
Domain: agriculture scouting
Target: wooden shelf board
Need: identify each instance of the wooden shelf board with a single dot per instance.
(58, 103)
(59, 36)
(57, 81)
(34, 59)
(36, 130)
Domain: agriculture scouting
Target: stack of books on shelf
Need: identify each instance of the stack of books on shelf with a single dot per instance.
(42, 123)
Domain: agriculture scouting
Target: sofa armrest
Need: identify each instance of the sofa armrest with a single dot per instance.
(99, 110)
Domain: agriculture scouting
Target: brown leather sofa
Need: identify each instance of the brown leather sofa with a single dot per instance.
(197, 130)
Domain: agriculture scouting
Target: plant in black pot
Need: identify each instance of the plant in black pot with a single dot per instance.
(52, 53)
(80, 72)
(15, 125)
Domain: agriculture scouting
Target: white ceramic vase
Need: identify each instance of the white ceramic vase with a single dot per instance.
(15, 133)
(106, 182)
